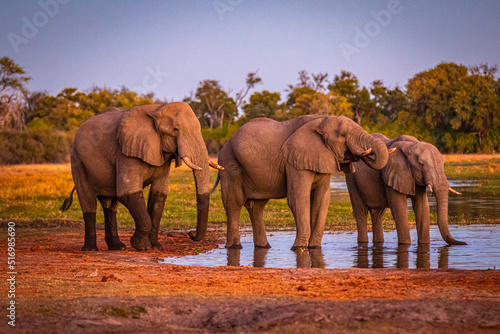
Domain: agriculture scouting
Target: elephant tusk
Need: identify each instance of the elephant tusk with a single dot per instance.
(190, 164)
(365, 153)
(392, 150)
(430, 188)
(215, 166)
(454, 191)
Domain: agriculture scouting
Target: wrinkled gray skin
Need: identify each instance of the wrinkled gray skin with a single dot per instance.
(118, 153)
(266, 159)
(412, 167)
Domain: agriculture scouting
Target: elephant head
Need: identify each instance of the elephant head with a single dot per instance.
(331, 144)
(415, 163)
(156, 133)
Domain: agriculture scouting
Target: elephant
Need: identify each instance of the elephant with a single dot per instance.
(266, 159)
(413, 166)
(119, 152)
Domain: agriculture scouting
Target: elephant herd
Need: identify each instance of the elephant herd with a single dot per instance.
(118, 153)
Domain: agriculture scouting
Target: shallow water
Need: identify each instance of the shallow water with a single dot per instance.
(340, 250)
(471, 205)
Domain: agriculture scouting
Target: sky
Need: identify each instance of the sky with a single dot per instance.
(168, 47)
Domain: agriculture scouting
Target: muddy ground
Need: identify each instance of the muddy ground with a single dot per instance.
(132, 292)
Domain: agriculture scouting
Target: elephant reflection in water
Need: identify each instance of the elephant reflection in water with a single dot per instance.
(402, 257)
(311, 258)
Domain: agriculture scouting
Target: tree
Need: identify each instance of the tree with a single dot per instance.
(319, 81)
(251, 81)
(212, 104)
(13, 79)
(263, 104)
(387, 102)
(347, 85)
(429, 93)
(476, 106)
(330, 104)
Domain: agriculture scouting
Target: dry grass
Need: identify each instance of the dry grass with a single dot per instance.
(484, 167)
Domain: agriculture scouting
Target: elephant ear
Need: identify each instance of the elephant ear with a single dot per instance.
(397, 173)
(138, 137)
(306, 149)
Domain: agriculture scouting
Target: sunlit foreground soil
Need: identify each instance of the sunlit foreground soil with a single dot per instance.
(131, 292)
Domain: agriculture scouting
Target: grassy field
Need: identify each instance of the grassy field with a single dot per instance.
(34, 193)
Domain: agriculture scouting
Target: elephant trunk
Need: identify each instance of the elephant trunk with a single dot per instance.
(197, 159)
(441, 194)
(377, 158)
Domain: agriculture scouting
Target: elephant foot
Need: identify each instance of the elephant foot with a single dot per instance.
(140, 243)
(156, 246)
(450, 241)
(299, 248)
(89, 247)
(116, 245)
(266, 246)
(314, 247)
(235, 246)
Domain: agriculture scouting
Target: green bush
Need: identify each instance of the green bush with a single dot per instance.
(34, 146)
(216, 138)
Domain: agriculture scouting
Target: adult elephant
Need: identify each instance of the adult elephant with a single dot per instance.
(118, 153)
(412, 167)
(266, 159)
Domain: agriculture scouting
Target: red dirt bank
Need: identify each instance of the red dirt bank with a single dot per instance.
(53, 293)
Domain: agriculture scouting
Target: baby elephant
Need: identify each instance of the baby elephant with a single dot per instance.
(412, 167)
(266, 159)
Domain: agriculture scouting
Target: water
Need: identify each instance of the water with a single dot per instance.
(340, 250)
(471, 205)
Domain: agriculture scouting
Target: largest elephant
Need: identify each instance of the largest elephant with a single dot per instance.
(412, 167)
(266, 159)
(118, 153)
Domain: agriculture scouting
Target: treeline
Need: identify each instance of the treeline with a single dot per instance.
(457, 108)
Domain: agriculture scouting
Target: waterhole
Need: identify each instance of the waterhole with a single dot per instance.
(340, 250)
(472, 204)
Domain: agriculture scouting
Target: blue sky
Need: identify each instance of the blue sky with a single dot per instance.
(168, 47)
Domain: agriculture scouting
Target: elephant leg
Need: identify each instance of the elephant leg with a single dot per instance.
(90, 234)
(422, 213)
(256, 212)
(320, 199)
(359, 209)
(233, 212)
(377, 224)
(233, 200)
(399, 210)
(299, 200)
(137, 206)
(87, 199)
(156, 203)
(109, 207)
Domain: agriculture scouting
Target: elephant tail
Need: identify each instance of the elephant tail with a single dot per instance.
(216, 184)
(67, 202)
